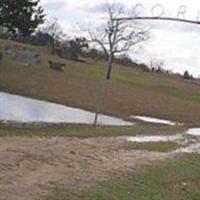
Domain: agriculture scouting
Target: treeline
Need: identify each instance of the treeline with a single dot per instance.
(19, 21)
(77, 48)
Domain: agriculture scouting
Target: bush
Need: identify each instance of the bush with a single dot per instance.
(94, 54)
(72, 49)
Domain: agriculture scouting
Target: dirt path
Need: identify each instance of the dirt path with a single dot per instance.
(33, 167)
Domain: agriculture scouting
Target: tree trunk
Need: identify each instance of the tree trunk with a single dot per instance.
(110, 62)
(53, 46)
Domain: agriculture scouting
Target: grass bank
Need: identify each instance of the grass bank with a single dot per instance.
(84, 131)
(130, 91)
(153, 146)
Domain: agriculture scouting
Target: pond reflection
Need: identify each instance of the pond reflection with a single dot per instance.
(26, 110)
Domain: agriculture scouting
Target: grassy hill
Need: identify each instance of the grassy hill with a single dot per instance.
(130, 92)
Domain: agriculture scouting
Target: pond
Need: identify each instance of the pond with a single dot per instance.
(14, 108)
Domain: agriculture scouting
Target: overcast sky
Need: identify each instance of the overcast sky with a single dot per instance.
(177, 44)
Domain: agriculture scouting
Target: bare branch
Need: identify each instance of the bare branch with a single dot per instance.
(119, 36)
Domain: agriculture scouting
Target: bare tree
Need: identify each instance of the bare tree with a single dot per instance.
(156, 65)
(118, 36)
(54, 30)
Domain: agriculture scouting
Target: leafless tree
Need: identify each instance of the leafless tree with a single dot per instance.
(156, 65)
(54, 30)
(118, 36)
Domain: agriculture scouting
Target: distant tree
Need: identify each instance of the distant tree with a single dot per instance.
(117, 37)
(21, 17)
(187, 75)
(94, 54)
(156, 65)
(40, 38)
(55, 31)
(124, 60)
(77, 46)
(72, 49)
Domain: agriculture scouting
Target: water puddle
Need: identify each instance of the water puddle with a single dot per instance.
(190, 140)
(193, 131)
(154, 138)
(154, 120)
(193, 148)
(26, 110)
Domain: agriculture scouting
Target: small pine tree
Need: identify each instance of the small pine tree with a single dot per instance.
(187, 75)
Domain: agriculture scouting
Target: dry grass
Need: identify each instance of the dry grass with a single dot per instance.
(130, 92)
(31, 168)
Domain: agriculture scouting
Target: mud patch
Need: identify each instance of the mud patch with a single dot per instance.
(33, 167)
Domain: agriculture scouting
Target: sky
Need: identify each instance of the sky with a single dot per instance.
(176, 44)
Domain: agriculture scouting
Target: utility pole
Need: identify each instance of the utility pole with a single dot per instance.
(102, 91)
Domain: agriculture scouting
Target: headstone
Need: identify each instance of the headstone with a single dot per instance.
(27, 57)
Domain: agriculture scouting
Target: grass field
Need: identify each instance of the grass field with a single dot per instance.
(81, 162)
(84, 131)
(130, 92)
(177, 179)
(153, 146)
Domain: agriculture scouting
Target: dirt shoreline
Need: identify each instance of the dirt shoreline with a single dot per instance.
(32, 167)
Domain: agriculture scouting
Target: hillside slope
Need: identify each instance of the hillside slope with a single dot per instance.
(130, 92)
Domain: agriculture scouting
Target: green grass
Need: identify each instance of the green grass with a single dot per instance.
(133, 80)
(153, 146)
(177, 179)
(84, 131)
(144, 82)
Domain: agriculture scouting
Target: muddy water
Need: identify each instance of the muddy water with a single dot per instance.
(194, 131)
(26, 110)
(193, 148)
(156, 138)
(190, 140)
